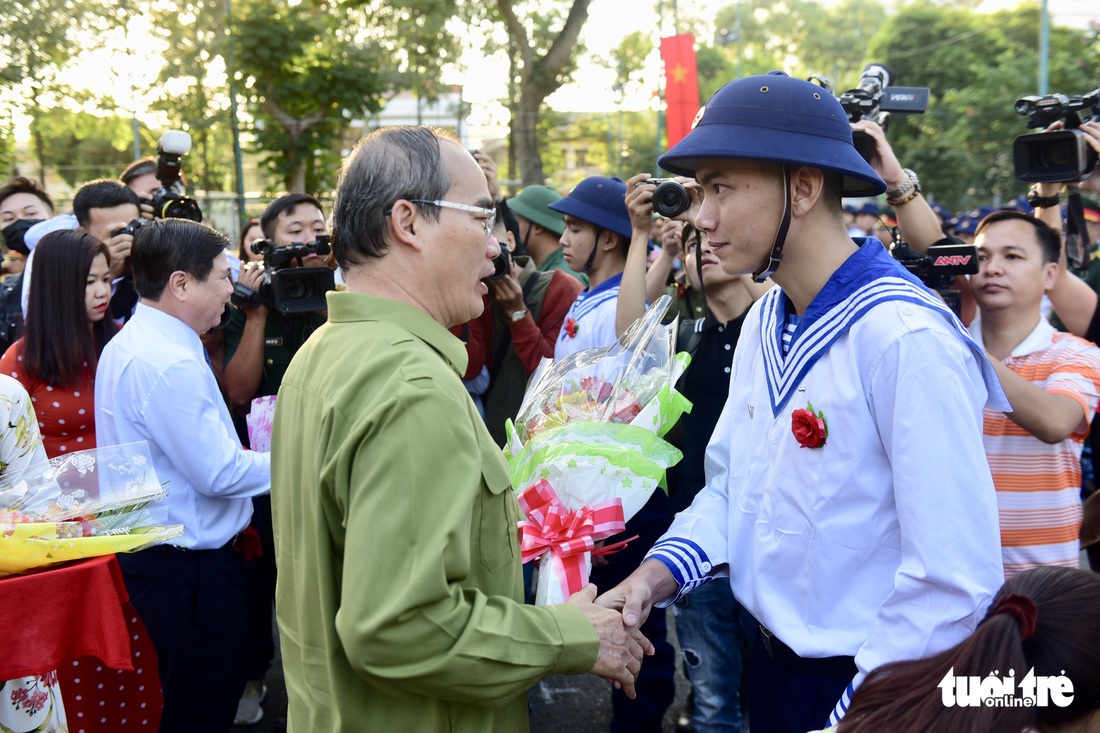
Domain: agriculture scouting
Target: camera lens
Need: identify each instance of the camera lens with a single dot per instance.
(1058, 153)
(671, 199)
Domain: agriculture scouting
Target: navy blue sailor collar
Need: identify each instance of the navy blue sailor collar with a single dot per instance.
(870, 276)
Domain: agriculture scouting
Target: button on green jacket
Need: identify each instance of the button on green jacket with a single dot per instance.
(399, 595)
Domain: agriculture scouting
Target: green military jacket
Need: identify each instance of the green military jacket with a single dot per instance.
(399, 595)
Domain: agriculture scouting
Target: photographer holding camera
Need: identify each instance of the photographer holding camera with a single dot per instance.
(260, 342)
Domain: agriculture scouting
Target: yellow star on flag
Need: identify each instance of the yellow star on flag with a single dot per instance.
(679, 74)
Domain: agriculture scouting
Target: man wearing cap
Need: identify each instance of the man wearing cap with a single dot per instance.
(865, 219)
(540, 229)
(826, 503)
(597, 234)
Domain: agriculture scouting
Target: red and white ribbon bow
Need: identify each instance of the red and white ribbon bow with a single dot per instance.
(567, 535)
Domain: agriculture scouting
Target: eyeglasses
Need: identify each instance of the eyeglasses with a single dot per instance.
(488, 222)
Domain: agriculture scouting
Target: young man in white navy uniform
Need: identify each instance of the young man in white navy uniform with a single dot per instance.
(597, 234)
(847, 496)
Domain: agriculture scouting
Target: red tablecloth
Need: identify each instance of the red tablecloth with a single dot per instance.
(63, 613)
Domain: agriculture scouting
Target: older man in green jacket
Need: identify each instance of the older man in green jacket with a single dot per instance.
(400, 594)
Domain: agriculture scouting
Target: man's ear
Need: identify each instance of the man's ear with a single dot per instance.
(807, 186)
(1050, 275)
(179, 285)
(405, 223)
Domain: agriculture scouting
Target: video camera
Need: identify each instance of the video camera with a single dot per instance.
(285, 288)
(168, 200)
(937, 269)
(874, 99)
(1058, 156)
(670, 198)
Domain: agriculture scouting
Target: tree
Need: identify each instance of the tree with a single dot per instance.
(541, 49)
(308, 69)
(81, 146)
(962, 146)
(196, 32)
(37, 38)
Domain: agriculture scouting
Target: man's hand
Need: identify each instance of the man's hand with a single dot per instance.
(621, 649)
(507, 291)
(651, 583)
(671, 242)
(639, 202)
(883, 160)
(118, 246)
(489, 168)
(1091, 131)
(252, 276)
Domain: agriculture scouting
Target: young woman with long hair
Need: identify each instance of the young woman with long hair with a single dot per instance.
(67, 326)
(1041, 623)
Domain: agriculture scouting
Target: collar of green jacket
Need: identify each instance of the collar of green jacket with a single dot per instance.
(347, 307)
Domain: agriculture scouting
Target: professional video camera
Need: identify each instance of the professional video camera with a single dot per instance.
(670, 199)
(874, 99)
(1058, 156)
(937, 269)
(168, 200)
(285, 288)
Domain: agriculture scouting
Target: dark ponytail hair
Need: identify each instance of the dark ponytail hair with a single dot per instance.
(903, 697)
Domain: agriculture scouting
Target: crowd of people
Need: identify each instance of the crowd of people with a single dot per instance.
(880, 497)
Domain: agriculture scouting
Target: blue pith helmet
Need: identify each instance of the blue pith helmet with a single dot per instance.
(778, 119)
(600, 201)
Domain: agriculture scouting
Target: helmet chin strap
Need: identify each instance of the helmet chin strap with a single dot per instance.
(776, 255)
(595, 246)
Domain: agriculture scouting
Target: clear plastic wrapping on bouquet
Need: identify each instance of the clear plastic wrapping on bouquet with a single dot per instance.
(589, 433)
(612, 384)
(83, 504)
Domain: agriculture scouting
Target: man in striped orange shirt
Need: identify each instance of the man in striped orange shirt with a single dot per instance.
(1052, 380)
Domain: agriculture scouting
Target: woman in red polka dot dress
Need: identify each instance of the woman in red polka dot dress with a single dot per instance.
(66, 329)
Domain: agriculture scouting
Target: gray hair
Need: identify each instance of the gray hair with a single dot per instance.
(390, 164)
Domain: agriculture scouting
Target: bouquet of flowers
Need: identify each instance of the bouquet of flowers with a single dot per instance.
(587, 445)
(83, 504)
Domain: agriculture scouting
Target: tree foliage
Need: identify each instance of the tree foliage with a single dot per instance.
(82, 146)
(37, 39)
(307, 69)
(542, 48)
(193, 90)
(962, 146)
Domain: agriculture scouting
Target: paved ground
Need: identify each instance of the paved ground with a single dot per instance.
(559, 704)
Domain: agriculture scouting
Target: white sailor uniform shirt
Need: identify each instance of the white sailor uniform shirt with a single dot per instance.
(592, 316)
(882, 544)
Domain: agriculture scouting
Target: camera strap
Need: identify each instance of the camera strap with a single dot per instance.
(595, 245)
(1077, 244)
(776, 255)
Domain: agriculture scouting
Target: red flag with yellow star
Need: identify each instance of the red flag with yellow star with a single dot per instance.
(681, 85)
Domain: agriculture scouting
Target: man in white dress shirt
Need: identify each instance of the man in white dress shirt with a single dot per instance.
(847, 496)
(154, 383)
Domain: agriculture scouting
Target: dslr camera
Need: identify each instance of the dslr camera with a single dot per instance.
(874, 99)
(168, 200)
(131, 228)
(670, 198)
(285, 288)
(1058, 156)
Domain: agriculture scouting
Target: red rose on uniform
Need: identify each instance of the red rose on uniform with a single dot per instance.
(809, 427)
(571, 328)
